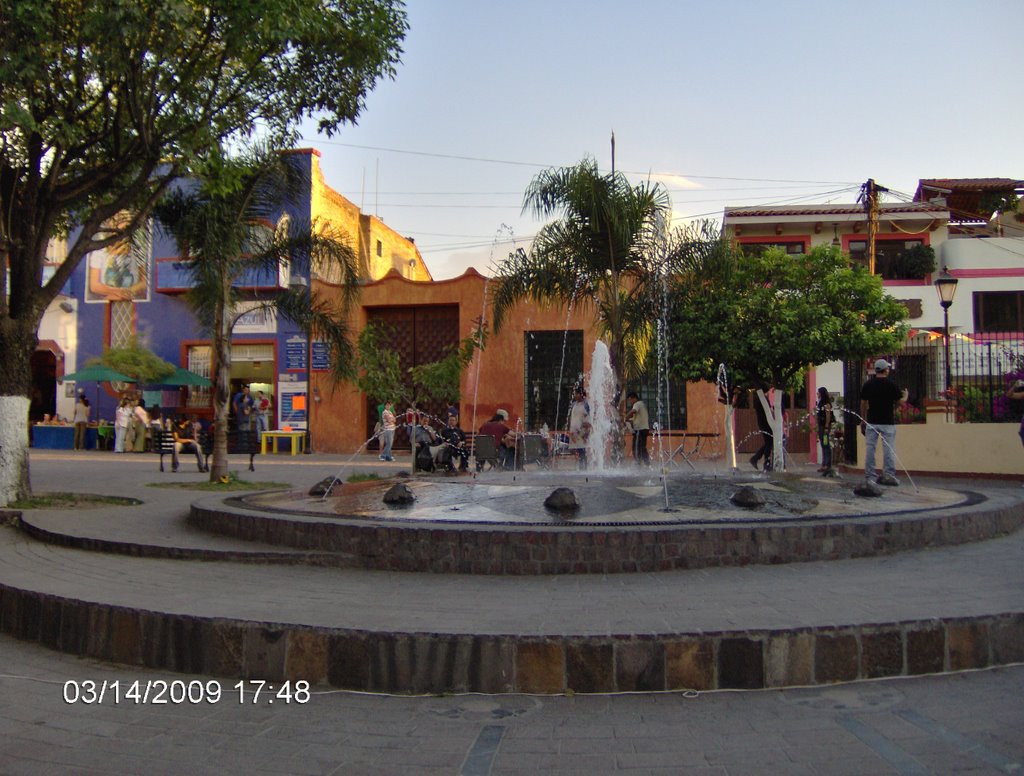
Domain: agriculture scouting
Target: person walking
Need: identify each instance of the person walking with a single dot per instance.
(122, 420)
(261, 411)
(80, 419)
(387, 418)
(824, 417)
(879, 398)
(637, 417)
(243, 405)
(579, 424)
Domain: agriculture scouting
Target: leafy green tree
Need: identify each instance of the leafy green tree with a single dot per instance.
(221, 228)
(379, 370)
(439, 381)
(135, 361)
(769, 317)
(103, 104)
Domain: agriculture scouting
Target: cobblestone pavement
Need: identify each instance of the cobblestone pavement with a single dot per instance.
(958, 723)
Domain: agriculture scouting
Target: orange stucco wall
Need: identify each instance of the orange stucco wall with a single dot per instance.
(340, 419)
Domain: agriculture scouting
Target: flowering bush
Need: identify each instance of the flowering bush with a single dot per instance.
(909, 413)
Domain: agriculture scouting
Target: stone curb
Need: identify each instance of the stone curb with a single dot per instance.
(588, 549)
(436, 662)
(141, 550)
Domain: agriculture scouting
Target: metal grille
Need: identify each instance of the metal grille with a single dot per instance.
(122, 320)
(981, 367)
(200, 358)
(554, 363)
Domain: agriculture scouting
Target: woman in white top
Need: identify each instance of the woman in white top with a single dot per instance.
(122, 419)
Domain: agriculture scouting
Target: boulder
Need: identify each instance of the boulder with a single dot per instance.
(748, 498)
(562, 500)
(325, 486)
(399, 493)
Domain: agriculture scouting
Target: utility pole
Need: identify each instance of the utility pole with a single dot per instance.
(869, 196)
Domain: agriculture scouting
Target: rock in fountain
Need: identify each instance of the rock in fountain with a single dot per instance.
(562, 500)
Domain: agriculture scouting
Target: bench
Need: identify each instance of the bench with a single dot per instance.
(163, 444)
(239, 443)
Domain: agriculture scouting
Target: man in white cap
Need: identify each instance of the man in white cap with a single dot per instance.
(879, 398)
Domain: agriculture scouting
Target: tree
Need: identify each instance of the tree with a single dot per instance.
(604, 249)
(769, 317)
(136, 361)
(221, 228)
(439, 381)
(103, 105)
(379, 372)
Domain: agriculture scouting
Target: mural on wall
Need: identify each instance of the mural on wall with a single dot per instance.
(120, 272)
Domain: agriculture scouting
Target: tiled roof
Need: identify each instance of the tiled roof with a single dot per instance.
(965, 185)
(963, 195)
(824, 210)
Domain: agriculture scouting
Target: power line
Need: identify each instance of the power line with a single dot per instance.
(645, 173)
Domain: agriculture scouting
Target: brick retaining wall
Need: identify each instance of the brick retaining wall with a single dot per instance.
(435, 663)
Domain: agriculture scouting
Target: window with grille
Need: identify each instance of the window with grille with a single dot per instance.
(200, 360)
(122, 324)
(554, 364)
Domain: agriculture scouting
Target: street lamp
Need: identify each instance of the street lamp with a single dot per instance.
(945, 287)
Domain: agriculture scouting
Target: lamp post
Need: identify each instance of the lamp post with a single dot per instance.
(945, 287)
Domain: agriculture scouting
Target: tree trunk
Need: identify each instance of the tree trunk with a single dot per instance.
(775, 421)
(17, 343)
(221, 386)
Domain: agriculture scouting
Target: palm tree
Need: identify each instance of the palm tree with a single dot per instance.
(606, 248)
(223, 225)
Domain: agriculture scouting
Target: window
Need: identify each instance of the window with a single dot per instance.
(998, 311)
(122, 324)
(380, 248)
(758, 248)
(200, 361)
(890, 261)
(554, 364)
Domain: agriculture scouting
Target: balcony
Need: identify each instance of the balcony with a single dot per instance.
(172, 276)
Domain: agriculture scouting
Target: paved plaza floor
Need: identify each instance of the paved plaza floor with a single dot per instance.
(958, 723)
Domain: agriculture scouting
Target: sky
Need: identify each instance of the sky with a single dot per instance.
(739, 103)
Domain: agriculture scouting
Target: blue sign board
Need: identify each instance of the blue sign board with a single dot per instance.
(295, 355)
(321, 356)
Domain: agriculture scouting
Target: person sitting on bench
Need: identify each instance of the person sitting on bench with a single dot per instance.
(454, 447)
(184, 441)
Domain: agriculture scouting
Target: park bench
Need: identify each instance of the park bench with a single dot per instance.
(163, 444)
(239, 443)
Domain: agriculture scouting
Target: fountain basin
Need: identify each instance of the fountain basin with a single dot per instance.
(497, 525)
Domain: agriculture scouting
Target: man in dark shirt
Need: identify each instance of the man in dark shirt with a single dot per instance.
(455, 446)
(879, 398)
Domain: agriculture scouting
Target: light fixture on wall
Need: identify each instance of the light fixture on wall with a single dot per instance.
(67, 307)
(835, 236)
